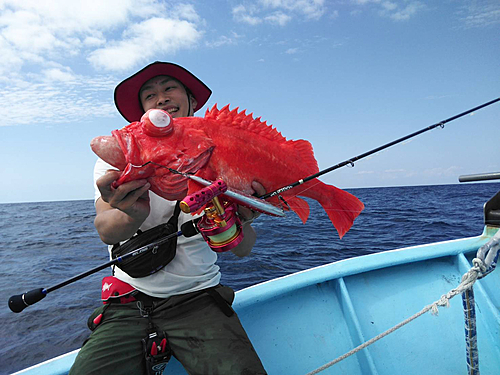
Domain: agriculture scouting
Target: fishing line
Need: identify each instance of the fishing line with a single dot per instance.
(349, 162)
(18, 303)
(352, 160)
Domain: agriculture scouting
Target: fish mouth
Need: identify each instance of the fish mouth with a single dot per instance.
(167, 184)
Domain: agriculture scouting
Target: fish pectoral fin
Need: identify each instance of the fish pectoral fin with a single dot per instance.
(198, 162)
(300, 207)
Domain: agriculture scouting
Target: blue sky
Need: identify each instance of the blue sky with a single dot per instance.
(347, 75)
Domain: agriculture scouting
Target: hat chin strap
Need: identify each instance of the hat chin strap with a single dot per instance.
(189, 96)
(189, 106)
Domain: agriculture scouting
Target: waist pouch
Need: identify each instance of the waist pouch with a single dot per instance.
(153, 260)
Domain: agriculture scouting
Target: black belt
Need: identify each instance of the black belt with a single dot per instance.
(150, 301)
(147, 299)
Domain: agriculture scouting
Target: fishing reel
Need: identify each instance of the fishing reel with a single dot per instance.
(220, 226)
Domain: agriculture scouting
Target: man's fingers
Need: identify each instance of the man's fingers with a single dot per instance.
(132, 197)
(112, 195)
(104, 182)
(128, 193)
(258, 188)
(245, 213)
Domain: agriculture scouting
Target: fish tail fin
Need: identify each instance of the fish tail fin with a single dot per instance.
(341, 207)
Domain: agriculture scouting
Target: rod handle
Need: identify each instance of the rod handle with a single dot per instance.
(479, 177)
(19, 302)
(195, 201)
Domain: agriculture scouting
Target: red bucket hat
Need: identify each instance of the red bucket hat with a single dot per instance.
(127, 92)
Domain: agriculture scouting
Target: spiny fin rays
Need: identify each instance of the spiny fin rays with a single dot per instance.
(233, 118)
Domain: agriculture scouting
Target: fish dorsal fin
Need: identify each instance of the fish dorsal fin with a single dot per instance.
(240, 120)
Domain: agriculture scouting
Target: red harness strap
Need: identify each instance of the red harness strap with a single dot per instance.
(117, 291)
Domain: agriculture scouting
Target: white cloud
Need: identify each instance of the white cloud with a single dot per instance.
(389, 5)
(39, 40)
(363, 2)
(365, 172)
(278, 12)
(41, 30)
(224, 40)
(94, 41)
(144, 40)
(59, 26)
(291, 51)
(451, 171)
(312, 9)
(480, 14)
(278, 18)
(397, 10)
(403, 14)
(61, 75)
(472, 13)
(57, 97)
(187, 12)
(245, 15)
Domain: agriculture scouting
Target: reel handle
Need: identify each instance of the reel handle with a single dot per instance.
(19, 302)
(195, 201)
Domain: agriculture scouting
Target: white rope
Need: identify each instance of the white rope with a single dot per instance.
(468, 280)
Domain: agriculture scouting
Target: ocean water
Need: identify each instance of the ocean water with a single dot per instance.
(43, 244)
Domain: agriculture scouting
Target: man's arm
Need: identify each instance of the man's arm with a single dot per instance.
(121, 211)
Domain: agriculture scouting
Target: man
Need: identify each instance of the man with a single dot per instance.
(183, 299)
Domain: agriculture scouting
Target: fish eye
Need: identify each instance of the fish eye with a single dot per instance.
(157, 123)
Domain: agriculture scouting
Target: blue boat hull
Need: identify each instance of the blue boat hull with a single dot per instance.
(302, 321)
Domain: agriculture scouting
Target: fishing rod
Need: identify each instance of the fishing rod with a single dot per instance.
(375, 150)
(131, 170)
(220, 227)
(19, 302)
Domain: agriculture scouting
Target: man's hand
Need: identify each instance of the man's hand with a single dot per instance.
(247, 216)
(121, 211)
(131, 197)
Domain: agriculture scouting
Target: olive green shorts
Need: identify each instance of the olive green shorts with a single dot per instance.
(202, 337)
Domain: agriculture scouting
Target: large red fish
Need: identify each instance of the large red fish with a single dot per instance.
(229, 145)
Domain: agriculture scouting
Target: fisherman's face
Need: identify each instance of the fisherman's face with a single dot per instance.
(167, 93)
